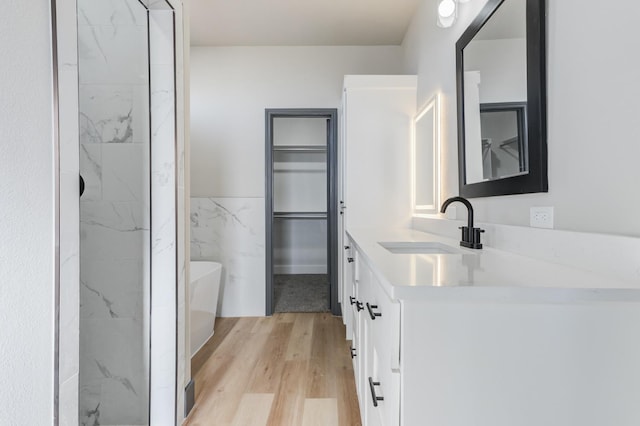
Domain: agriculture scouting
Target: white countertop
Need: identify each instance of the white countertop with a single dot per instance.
(481, 275)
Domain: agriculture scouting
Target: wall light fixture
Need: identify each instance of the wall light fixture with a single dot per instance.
(447, 13)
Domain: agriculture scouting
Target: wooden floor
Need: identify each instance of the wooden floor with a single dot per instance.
(288, 369)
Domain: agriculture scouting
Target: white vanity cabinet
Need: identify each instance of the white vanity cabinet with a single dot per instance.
(462, 339)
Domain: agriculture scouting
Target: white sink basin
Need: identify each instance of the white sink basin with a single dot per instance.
(415, 247)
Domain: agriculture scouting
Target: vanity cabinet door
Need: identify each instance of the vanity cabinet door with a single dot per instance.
(387, 413)
(362, 284)
(375, 332)
(385, 320)
(356, 358)
(351, 312)
(382, 331)
(356, 333)
(375, 392)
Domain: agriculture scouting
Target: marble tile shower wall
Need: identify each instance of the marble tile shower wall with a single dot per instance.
(114, 211)
(164, 250)
(232, 231)
(69, 212)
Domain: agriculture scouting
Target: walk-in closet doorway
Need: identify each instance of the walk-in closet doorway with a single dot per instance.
(301, 210)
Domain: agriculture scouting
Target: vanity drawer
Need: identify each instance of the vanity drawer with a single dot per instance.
(383, 317)
(356, 360)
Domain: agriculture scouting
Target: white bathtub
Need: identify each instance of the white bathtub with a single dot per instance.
(203, 301)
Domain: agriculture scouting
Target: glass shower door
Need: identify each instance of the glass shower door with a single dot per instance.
(115, 212)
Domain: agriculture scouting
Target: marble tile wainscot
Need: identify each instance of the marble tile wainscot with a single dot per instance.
(231, 231)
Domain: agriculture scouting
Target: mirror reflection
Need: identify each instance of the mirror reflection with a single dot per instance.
(495, 96)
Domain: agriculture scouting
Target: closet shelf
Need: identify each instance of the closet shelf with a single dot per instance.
(509, 141)
(300, 148)
(300, 167)
(299, 215)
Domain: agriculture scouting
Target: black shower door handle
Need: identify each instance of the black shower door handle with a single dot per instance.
(81, 185)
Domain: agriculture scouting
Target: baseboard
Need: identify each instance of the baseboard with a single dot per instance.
(189, 397)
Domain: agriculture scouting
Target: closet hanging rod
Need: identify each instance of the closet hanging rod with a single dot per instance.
(299, 215)
(300, 148)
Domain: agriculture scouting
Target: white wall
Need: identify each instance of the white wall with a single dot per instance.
(230, 89)
(593, 112)
(26, 215)
(232, 86)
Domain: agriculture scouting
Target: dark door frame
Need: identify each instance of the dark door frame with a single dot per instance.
(331, 114)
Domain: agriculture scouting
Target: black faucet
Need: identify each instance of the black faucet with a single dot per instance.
(470, 235)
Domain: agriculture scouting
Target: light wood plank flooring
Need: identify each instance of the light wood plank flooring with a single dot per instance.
(285, 370)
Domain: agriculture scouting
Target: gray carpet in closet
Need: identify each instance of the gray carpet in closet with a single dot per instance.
(301, 293)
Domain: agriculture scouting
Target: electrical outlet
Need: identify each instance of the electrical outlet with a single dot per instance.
(541, 217)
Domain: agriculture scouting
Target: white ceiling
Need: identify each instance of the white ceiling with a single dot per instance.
(300, 22)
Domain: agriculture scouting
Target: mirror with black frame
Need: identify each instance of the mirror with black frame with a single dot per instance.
(500, 70)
